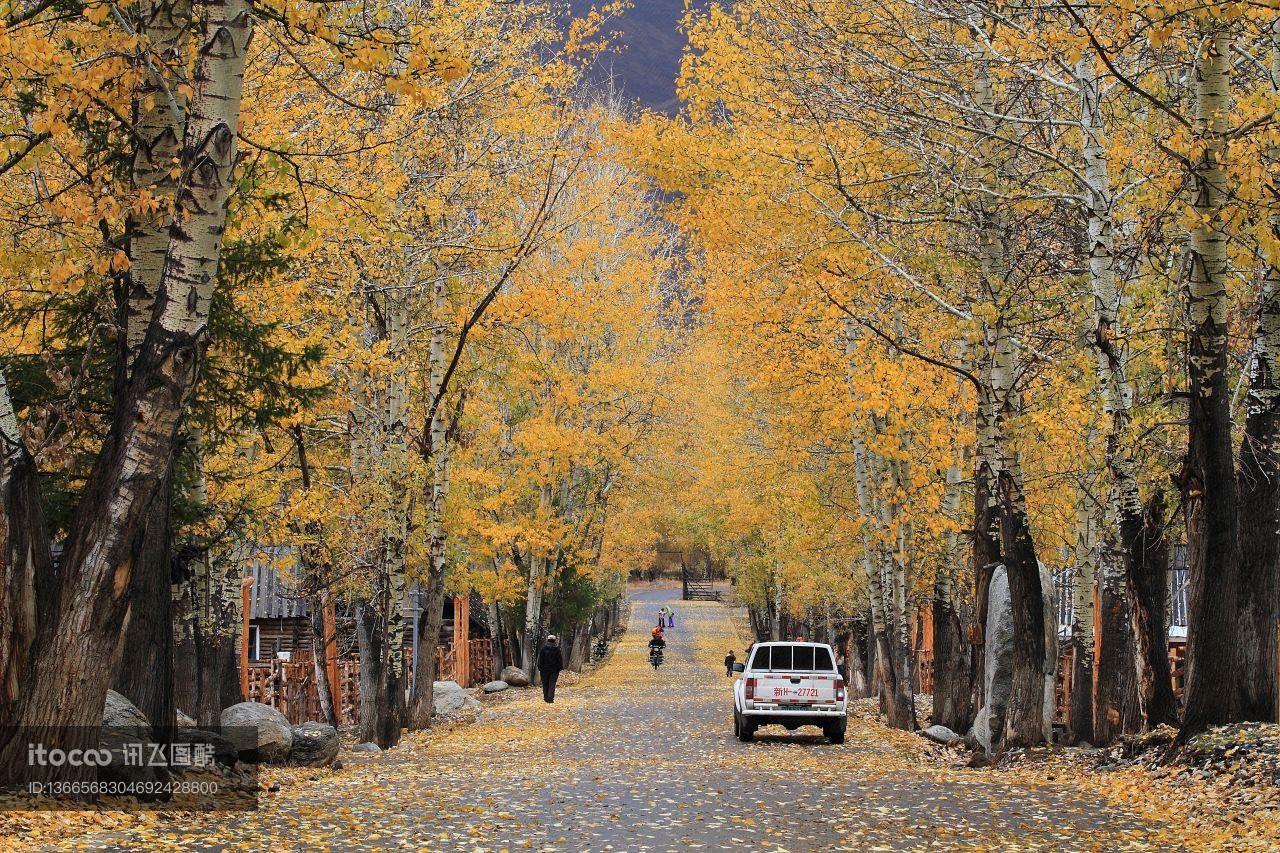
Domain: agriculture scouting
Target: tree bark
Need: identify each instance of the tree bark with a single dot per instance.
(1259, 515)
(208, 603)
(320, 663)
(1082, 615)
(144, 671)
(951, 655)
(1207, 479)
(381, 687)
(26, 562)
(1118, 709)
(1149, 584)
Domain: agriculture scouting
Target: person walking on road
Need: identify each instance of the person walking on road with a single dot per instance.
(729, 660)
(662, 617)
(671, 617)
(550, 662)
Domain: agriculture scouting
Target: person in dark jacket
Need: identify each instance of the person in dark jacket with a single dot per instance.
(550, 662)
(729, 660)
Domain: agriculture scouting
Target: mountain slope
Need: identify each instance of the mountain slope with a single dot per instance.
(645, 69)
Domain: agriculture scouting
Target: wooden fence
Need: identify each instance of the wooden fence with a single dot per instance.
(1064, 686)
(290, 686)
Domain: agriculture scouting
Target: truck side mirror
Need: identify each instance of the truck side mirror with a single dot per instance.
(739, 667)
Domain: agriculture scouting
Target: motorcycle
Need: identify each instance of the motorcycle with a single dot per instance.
(655, 658)
(602, 648)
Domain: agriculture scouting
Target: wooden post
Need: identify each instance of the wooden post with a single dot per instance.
(246, 587)
(330, 620)
(462, 639)
(1278, 672)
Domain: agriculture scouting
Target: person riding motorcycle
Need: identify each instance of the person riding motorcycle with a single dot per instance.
(656, 646)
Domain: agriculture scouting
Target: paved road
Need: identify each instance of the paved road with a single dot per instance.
(630, 759)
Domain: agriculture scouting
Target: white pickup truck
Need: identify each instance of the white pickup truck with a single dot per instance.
(791, 685)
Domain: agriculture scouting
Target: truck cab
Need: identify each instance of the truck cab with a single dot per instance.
(791, 685)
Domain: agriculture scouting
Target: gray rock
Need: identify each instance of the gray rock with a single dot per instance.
(447, 697)
(225, 752)
(496, 686)
(514, 676)
(1051, 652)
(470, 703)
(127, 734)
(314, 745)
(368, 746)
(183, 721)
(998, 660)
(119, 712)
(998, 672)
(262, 734)
(940, 734)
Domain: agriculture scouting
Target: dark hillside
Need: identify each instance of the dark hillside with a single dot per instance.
(645, 69)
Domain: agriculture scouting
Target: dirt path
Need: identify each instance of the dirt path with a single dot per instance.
(630, 759)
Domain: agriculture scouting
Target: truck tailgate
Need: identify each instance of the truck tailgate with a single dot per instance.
(795, 689)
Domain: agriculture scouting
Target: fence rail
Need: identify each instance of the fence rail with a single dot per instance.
(289, 686)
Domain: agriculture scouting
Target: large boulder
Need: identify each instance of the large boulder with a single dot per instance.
(997, 676)
(262, 734)
(496, 686)
(989, 722)
(367, 746)
(126, 733)
(119, 712)
(448, 697)
(225, 752)
(314, 745)
(514, 676)
(183, 721)
(940, 734)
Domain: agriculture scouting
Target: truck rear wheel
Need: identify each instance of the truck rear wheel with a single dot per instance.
(835, 730)
(743, 728)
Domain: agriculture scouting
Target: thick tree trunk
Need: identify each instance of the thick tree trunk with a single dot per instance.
(1118, 709)
(1259, 610)
(951, 677)
(1208, 480)
(1149, 585)
(1082, 610)
(66, 683)
(1025, 722)
(436, 457)
(26, 563)
(425, 674)
(858, 687)
(985, 554)
(1260, 488)
(320, 662)
(208, 606)
(951, 655)
(381, 687)
(144, 672)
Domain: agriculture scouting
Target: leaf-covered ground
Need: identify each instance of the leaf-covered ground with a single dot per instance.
(630, 759)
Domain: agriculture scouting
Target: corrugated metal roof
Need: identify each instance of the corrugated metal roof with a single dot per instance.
(270, 597)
